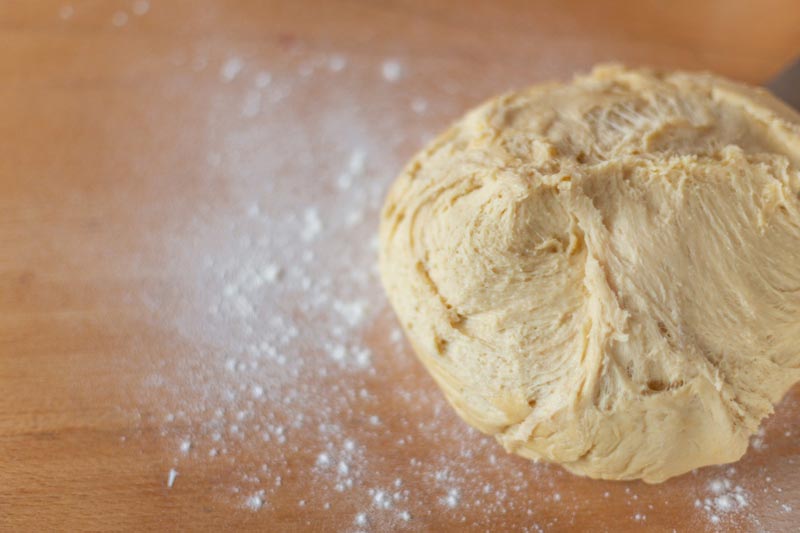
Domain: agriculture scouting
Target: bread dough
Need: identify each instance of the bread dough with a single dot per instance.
(605, 274)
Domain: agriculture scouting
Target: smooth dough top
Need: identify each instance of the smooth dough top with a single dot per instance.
(606, 273)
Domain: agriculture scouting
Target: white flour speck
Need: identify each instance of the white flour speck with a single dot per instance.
(363, 357)
(396, 335)
(452, 498)
(263, 78)
(305, 70)
(231, 68)
(381, 499)
(419, 105)
(356, 217)
(717, 486)
(255, 501)
(171, 477)
(355, 168)
(186, 445)
(252, 104)
(337, 352)
(757, 442)
(361, 519)
(392, 70)
(724, 498)
(724, 503)
(337, 63)
(312, 225)
(271, 273)
(352, 312)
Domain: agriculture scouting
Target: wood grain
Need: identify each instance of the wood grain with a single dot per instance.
(108, 203)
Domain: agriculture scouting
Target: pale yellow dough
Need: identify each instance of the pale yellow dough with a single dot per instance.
(605, 274)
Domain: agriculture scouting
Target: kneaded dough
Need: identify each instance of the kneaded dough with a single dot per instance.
(605, 274)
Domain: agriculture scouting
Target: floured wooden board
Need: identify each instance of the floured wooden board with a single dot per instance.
(192, 333)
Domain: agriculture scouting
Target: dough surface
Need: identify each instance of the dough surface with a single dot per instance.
(605, 274)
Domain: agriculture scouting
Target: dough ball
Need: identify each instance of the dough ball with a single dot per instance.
(605, 274)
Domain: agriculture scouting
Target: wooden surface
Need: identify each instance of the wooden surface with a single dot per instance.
(148, 161)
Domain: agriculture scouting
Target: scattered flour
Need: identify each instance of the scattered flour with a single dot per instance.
(255, 501)
(300, 364)
(723, 498)
(757, 441)
(452, 498)
(381, 499)
(352, 312)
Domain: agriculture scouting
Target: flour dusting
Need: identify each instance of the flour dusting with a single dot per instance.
(302, 388)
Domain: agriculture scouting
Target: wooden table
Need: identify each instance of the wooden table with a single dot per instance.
(188, 197)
